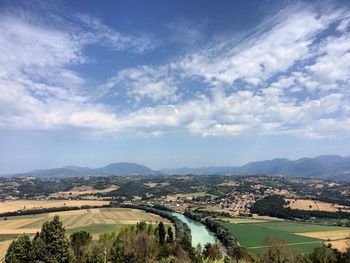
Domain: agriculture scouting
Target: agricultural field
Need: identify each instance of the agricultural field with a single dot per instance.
(152, 184)
(82, 190)
(300, 237)
(77, 219)
(16, 205)
(244, 220)
(188, 196)
(178, 207)
(96, 221)
(329, 235)
(3, 248)
(313, 205)
(341, 245)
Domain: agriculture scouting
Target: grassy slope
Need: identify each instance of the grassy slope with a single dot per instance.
(96, 221)
(97, 229)
(253, 235)
(105, 220)
(294, 227)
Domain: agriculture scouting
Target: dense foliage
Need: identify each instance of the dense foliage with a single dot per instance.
(183, 232)
(128, 187)
(140, 243)
(50, 245)
(147, 243)
(274, 206)
(225, 237)
(35, 211)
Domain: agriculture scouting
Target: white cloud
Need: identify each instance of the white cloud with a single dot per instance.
(186, 32)
(99, 33)
(23, 44)
(256, 59)
(38, 90)
(333, 66)
(286, 78)
(343, 25)
(145, 82)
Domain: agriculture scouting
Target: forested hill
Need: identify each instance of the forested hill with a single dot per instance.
(324, 167)
(118, 169)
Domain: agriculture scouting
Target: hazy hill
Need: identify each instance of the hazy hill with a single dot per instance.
(119, 169)
(126, 169)
(325, 166)
(55, 172)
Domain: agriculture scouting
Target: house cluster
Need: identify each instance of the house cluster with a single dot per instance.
(237, 203)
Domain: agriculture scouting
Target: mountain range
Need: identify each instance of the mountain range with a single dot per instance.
(325, 167)
(118, 169)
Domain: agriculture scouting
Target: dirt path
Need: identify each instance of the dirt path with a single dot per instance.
(290, 244)
(3, 248)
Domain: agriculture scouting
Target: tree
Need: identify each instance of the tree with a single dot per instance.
(145, 249)
(123, 249)
(104, 245)
(161, 233)
(38, 248)
(275, 251)
(197, 254)
(345, 257)
(118, 251)
(170, 238)
(55, 243)
(212, 251)
(20, 250)
(141, 226)
(323, 255)
(79, 243)
(181, 254)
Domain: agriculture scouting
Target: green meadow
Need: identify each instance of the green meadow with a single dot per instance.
(253, 235)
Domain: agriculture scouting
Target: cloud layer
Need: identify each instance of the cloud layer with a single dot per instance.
(290, 75)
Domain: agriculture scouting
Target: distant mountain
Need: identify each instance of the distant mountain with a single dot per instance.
(55, 172)
(77, 169)
(118, 169)
(126, 169)
(202, 170)
(325, 167)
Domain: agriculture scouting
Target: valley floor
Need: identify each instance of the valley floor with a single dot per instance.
(96, 221)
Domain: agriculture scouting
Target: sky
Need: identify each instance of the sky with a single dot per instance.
(172, 83)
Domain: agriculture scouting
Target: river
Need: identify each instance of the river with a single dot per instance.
(200, 235)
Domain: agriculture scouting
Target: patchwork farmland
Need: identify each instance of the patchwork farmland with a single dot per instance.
(16, 205)
(300, 237)
(95, 221)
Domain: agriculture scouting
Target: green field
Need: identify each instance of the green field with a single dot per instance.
(294, 227)
(96, 221)
(253, 235)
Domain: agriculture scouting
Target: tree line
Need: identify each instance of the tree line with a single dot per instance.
(274, 250)
(35, 211)
(140, 243)
(146, 243)
(274, 206)
(183, 232)
(230, 243)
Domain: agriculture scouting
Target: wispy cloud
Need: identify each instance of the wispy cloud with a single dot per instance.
(95, 32)
(289, 76)
(38, 88)
(153, 83)
(187, 33)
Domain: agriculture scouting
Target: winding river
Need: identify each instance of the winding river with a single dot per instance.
(200, 234)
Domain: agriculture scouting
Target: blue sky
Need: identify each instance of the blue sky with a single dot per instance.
(172, 83)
